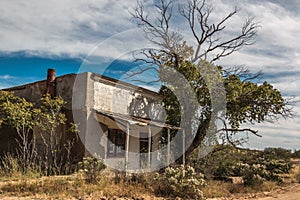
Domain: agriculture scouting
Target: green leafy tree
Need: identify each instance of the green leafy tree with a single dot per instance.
(20, 114)
(51, 120)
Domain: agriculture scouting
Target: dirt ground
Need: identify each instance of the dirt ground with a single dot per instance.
(291, 192)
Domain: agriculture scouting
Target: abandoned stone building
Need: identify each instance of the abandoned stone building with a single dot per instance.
(118, 122)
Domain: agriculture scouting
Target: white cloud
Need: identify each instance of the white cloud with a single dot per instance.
(277, 38)
(273, 141)
(60, 27)
(289, 86)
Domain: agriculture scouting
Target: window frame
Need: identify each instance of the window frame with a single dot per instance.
(113, 143)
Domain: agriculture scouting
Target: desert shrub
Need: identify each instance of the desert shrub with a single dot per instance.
(216, 163)
(180, 181)
(256, 172)
(253, 175)
(255, 167)
(91, 169)
(225, 168)
(278, 166)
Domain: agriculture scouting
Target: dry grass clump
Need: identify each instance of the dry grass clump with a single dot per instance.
(56, 186)
(216, 189)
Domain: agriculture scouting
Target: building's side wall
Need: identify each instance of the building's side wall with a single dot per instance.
(33, 92)
(65, 87)
(8, 142)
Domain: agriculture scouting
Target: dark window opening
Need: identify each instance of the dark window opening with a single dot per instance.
(116, 143)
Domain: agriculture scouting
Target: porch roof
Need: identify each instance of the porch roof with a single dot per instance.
(136, 120)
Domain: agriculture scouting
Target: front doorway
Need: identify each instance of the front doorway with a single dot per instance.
(144, 150)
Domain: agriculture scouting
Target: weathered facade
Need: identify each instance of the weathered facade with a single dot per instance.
(118, 122)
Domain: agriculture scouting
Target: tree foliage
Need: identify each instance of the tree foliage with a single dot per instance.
(250, 102)
(19, 114)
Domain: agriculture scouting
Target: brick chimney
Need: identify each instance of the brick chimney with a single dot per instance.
(51, 83)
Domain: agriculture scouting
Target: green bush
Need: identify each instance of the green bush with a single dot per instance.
(224, 169)
(253, 175)
(179, 182)
(255, 167)
(91, 169)
(278, 166)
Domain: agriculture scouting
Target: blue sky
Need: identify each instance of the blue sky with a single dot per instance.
(99, 36)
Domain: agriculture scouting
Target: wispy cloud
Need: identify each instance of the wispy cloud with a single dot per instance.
(7, 80)
(6, 77)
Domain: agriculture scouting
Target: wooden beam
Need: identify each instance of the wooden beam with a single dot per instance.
(183, 147)
(149, 146)
(169, 147)
(127, 147)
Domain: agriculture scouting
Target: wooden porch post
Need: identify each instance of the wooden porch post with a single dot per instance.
(127, 147)
(149, 146)
(168, 147)
(183, 147)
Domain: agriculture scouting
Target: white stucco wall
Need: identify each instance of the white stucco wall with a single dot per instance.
(122, 98)
(112, 98)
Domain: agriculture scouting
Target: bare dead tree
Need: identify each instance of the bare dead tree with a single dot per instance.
(208, 42)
